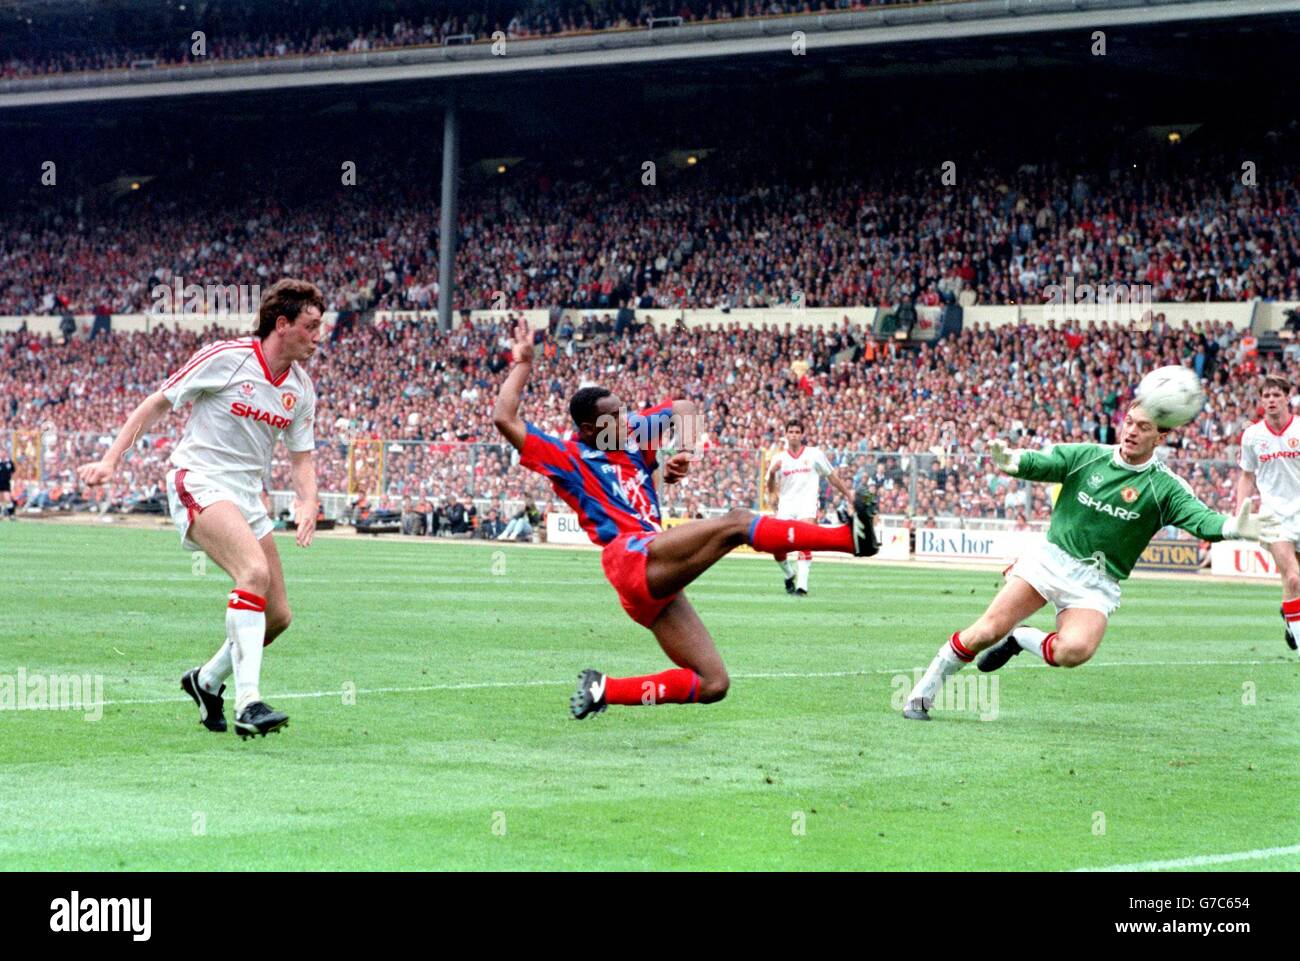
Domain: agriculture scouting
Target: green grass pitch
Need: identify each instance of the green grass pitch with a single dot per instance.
(458, 751)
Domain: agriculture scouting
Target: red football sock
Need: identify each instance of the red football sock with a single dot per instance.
(1047, 649)
(964, 654)
(773, 536)
(1291, 610)
(678, 686)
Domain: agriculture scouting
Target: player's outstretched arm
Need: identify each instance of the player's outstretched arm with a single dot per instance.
(1005, 459)
(151, 410)
(1052, 465)
(506, 414)
(1245, 487)
(1189, 513)
(302, 469)
(1249, 525)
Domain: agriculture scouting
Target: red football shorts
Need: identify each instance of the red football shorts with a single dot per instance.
(624, 559)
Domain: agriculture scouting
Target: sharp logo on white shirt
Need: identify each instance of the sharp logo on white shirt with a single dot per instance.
(238, 413)
(800, 478)
(1275, 460)
(260, 416)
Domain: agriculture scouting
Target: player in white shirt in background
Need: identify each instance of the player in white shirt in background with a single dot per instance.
(793, 482)
(1270, 463)
(246, 394)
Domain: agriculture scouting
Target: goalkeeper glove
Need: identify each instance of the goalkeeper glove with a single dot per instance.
(1262, 526)
(1005, 460)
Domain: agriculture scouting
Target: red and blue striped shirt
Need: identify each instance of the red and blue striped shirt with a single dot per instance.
(612, 492)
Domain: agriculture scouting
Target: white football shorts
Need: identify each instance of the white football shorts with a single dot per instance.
(1290, 525)
(1066, 581)
(800, 514)
(189, 492)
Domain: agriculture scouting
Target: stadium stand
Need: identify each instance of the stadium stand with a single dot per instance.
(723, 239)
(46, 41)
(419, 425)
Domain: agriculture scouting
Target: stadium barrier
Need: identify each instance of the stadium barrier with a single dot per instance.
(1263, 316)
(1003, 547)
(1170, 556)
(1242, 559)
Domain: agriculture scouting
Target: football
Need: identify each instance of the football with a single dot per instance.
(1171, 395)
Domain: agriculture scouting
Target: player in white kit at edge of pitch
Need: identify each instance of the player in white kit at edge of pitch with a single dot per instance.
(1270, 462)
(246, 394)
(793, 483)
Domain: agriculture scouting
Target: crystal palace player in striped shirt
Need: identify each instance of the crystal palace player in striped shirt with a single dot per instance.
(605, 476)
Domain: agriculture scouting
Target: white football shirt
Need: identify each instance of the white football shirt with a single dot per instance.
(799, 478)
(239, 412)
(1275, 460)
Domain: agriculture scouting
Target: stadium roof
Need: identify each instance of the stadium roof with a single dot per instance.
(700, 45)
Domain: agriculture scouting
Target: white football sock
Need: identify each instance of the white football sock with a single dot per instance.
(786, 568)
(801, 578)
(945, 664)
(246, 630)
(214, 673)
(1030, 639)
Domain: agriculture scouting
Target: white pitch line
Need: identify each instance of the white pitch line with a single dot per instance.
(782, 675)
(1201, 860)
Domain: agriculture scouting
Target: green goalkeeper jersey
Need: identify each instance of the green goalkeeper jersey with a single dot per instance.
(1110, 510)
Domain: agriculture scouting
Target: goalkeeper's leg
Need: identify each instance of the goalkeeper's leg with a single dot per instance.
(1014, 603)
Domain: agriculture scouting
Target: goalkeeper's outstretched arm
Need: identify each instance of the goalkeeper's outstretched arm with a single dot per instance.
(1189, 513)
(1005, 459)
(1052, 465)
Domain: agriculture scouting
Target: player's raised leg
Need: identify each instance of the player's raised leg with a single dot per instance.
(681, 554)
(221, 531)
(699, 678)
(1014, 603)
(1288, 565)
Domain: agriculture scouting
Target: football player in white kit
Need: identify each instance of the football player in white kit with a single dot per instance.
(793, 481)
(1270, 463)
(246, 394)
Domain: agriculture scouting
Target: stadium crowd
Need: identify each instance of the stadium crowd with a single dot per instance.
(237, 30)
(405, 410)
(714, 238)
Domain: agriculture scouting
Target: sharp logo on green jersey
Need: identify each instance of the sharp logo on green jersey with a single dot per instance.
(1102, 507)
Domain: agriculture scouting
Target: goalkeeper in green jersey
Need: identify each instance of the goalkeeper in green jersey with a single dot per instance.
(1113, 500)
